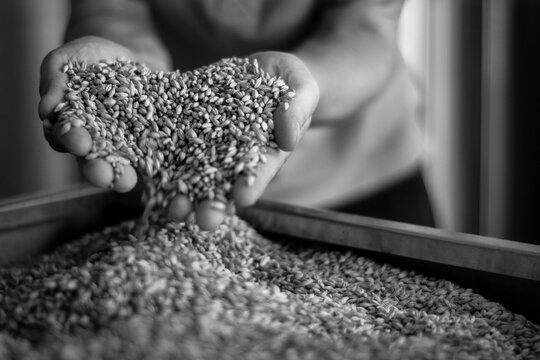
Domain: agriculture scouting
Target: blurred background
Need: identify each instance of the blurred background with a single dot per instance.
(476, 66)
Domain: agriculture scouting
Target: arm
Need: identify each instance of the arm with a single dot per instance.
(352, 54)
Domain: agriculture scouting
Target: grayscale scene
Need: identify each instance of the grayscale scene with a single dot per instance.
(269, 179)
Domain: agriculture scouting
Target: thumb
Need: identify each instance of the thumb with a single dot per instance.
(53, 84)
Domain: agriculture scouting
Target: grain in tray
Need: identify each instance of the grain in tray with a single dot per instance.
(159, 289)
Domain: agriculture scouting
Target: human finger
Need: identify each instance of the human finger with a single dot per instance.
(53, 83)
(98, 172)
(210, 214)
(180, 207)
(247, 189)
(298, 104)
(76, 140)
(292, 118)
(126, 181)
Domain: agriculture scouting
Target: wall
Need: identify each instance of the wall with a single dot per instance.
(28, 30)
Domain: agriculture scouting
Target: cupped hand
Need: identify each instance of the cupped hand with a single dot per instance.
(53, 86)
(290, 120)
(290, 123)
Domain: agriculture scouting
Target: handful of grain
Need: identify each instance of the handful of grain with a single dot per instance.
(191, 133)
(158, 290)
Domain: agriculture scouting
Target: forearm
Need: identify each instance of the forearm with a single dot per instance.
(126, 22)
(352, 56)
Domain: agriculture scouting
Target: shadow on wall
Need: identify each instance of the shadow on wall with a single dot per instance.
(29, 29)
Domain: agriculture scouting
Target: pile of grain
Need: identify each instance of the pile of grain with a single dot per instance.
(191, 133)
(161, 290)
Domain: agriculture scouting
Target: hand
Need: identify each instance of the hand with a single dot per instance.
(77, 141)
(289, 127)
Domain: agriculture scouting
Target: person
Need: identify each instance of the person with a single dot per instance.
(350, 140)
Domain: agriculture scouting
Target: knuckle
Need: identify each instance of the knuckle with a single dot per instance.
(52, 58)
